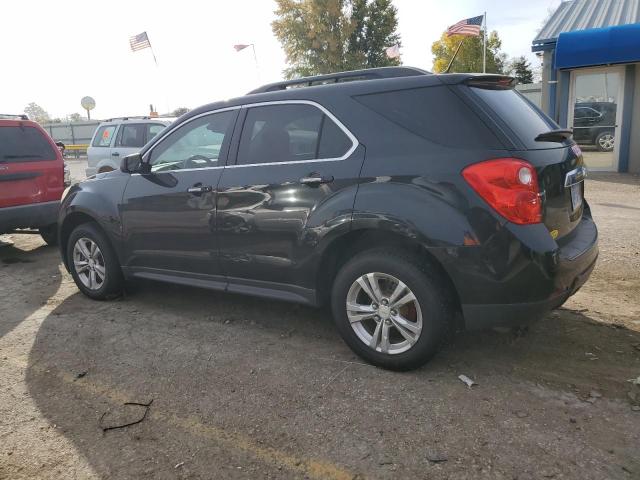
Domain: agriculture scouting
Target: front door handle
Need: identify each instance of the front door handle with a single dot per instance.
(316, 180)
(199, 189)
(115, 154)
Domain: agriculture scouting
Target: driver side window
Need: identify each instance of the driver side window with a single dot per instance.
(197, 144)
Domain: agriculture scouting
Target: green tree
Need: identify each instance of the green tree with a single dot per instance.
(520, 68)
(74, 117)
(324, 36)
(36, 113)
(179, 111)
(469, 58)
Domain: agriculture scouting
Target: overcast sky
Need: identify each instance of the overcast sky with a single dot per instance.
(54, 53)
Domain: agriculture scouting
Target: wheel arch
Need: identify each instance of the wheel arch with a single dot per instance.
(344, 247)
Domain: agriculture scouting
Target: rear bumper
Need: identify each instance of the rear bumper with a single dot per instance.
(34, 215)
(559, 273)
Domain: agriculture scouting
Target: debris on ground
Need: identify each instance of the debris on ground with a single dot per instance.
(128, 424)
(591, 356)
(467, 381)
(81, 374)
(521, 414)
(178, 465)
(436, 457)
(635, 381)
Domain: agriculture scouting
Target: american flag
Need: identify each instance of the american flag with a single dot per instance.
(140, 41)
(469, 27)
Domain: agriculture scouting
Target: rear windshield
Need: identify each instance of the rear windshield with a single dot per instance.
(520, 115)
(434, 113)
(24, 144)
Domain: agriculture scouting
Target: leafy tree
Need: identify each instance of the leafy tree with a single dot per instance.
(324, 36)
(520, 68)
(74, 117)
(179, 111)
(37, 113)
(469, 58)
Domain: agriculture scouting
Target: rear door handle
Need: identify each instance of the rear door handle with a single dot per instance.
(199, 189)
(316, 180)
(115, 154)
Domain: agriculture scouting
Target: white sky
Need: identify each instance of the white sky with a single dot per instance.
(55, 52)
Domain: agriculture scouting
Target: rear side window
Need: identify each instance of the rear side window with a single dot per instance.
(433, 113)
(103, 136)
(24, 144)
(521, 116)
(289, 133)
(154, 129)
(131, 135)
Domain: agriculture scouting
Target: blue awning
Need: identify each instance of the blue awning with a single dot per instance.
(598, 46)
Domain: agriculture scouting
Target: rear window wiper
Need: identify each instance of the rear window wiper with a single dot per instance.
(559, 135)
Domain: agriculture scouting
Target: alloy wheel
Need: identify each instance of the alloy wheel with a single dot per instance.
(606, 142)
(89, 263)
(384, 313)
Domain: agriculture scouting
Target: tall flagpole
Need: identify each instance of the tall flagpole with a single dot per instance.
(255, 59)
(484, 46)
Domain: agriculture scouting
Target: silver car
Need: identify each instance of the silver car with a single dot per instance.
(118, 137)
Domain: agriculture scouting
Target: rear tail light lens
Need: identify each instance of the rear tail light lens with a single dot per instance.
(510, 186)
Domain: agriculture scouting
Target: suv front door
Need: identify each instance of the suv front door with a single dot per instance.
(169, 213)
(292, 185)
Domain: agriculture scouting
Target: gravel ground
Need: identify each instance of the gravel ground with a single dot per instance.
(249, 388)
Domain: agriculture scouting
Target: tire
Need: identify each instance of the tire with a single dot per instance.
(103, 263)
(431, 305)
(49, 234)
(605, 141)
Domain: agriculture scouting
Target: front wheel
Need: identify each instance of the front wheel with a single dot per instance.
(93, 263)
(391, 309)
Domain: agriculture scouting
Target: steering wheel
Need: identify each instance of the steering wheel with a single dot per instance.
(189, 162)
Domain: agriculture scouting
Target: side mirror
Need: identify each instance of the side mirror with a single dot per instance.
(133, 164)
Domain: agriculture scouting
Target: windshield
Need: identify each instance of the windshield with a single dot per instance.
(525, 119)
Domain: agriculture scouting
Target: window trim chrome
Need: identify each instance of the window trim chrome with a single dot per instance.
(354, 141)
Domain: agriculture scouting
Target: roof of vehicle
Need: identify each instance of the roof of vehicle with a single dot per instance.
(140, 119)
(324, 86)
(16, 122)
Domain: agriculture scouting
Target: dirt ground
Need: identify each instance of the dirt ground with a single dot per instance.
(249, 388)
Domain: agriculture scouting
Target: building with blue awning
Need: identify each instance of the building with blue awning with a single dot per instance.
(591, 78)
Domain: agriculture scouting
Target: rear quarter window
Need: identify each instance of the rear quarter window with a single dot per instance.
(24, 144)
(103, 136)
(434, 113)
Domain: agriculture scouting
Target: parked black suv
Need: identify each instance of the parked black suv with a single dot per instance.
(594, 123)
(405, 200)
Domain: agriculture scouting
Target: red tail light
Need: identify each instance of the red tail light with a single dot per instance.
(510, 186)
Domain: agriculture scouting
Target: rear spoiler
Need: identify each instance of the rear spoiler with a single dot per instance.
(492, 82)
(558, 135)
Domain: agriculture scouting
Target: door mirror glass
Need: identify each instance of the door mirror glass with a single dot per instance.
(132, 164)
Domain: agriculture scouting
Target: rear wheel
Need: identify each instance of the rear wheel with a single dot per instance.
(390, 309)
(93, 263)
(605, 141)
(49, 234)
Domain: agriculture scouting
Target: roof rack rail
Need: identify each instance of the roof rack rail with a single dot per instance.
(130, 117)
(366, 74)
(8, 116)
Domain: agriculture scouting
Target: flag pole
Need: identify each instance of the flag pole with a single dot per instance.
(255, 59)
(455, 54)
(484, 45)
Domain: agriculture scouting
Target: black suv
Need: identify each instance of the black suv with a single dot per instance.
(413, 204)
(594, 123)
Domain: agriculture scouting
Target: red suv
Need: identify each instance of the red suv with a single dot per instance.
(33, 177)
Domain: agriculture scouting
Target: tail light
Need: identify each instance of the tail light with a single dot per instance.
(510, 186)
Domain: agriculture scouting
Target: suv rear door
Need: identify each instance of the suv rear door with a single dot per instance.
(558, 161)
(100, 149)
(31, 167)
(293, 183)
